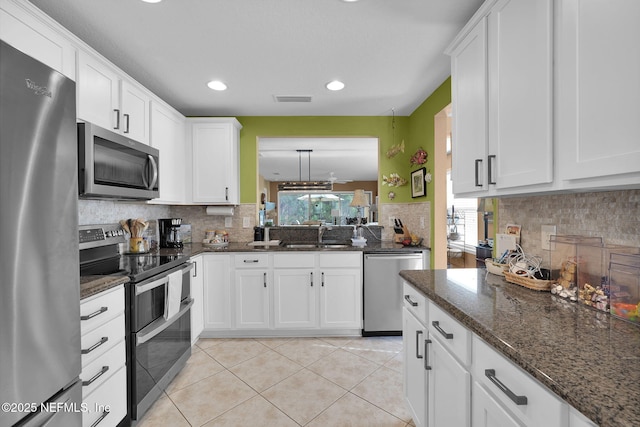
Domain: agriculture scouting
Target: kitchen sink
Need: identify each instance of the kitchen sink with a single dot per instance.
(316, 245)
(333, 245)
(300, 245)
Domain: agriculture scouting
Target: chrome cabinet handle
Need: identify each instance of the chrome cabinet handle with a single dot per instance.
(250, 261)
(96, 345)
(126, 129)
(418, 333)
(518, 400)
(226, 193)
(491, 159)
(311, 277)
(447, 335)
(426, 359)
(102, 417)
(408, 299)
(195, 269)
(264, 279)
(117, 126)
(96, 376)
(478, 184)
(94, 314)
(322, 281)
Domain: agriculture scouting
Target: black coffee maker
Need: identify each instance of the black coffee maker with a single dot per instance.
(170, 232)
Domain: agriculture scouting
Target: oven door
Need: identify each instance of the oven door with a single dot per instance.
(160, 347)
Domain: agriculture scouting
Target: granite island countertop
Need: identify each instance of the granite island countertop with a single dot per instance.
(197, 248)
(588, 358)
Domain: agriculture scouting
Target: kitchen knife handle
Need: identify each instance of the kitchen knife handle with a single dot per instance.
(117, 126)
(447, 335)
(518, 400)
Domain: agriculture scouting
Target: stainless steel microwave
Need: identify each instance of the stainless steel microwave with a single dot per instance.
(112, 166)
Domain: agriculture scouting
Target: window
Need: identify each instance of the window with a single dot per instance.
(296, 207)
(465, 221)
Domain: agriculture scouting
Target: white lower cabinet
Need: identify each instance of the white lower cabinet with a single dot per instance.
(414, 335)
(197, 293)
(104, 372)
(489, 413)
(279, 293)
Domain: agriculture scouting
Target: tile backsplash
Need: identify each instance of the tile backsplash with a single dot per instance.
(612, 215)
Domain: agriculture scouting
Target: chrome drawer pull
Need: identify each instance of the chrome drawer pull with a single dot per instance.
(96, 376)
(94, 314)
(418, 333)
(518, 400)
(96, 345)
(408, 299)
(426, 359)
(311, 278)
(447, 335)
(102, 417)
(250, 261)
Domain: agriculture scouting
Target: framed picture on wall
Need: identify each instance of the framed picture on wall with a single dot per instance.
(418, 186)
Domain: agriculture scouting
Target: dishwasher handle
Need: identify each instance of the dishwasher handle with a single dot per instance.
(394, 256)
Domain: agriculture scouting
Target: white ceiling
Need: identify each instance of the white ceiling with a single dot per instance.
(354, 159)
(389, 53)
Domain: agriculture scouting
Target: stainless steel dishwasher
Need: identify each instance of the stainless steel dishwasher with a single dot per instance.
(383, 288)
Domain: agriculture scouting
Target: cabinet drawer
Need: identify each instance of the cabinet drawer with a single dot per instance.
(251, 261)
(101, 308)
(415, 302)
(295, 260)
(100, 340)
(108, 403)
(541, 407)
(102, 368)
(340, 259)
(454, 336)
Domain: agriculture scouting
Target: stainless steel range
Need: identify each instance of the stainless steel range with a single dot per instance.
(158, 302)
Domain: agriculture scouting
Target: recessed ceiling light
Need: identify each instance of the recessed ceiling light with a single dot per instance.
(335, 85)
(217, 85)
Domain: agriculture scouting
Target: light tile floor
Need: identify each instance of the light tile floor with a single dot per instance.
(282, 382)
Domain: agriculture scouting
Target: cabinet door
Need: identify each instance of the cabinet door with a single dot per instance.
(168, 136)
(252, 299)
(294, 299)
(469, 109)
(98, 93)
(341, 298)
(197, 293)
(487, 412)
(414, 335)
(217, 291)
(214, 166)
(135, 106)
(520, 93)
(598, 89)
(449, 382)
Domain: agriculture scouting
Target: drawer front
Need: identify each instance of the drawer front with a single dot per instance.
(415, 302)
(340, 259)
(101, 308)
(537, 406)
(453, 335)
(100, 340)
(295, 260)
(108, 403)
(104, 367)
(251, 260)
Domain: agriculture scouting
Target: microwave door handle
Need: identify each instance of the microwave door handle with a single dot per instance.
(155, 171)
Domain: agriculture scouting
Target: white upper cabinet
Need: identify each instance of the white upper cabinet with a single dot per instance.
(520, 93)
(168, 135)
(30, 31)
(598, 92)
(469, 92)
(107, 99)
(502, 99)
(215, 145)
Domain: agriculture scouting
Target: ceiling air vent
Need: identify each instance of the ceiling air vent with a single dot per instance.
(291, 98)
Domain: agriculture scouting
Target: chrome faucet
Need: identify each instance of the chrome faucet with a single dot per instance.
(321, 230)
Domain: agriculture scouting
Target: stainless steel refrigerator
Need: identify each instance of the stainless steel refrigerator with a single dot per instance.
(39, 267)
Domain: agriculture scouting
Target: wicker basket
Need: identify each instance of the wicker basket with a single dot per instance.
(495, 268)
(529, 283)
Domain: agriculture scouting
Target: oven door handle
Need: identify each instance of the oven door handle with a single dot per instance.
(144, 287)
(159, 325)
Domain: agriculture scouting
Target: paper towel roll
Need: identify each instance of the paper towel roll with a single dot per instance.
(220, 210)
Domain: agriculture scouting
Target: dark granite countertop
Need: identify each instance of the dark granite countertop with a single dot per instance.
(197, 248)
(588, 358)
(91, 285)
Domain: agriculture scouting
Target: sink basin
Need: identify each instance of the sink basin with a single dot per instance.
(300, 245)
(333, 245)
(316, 245)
